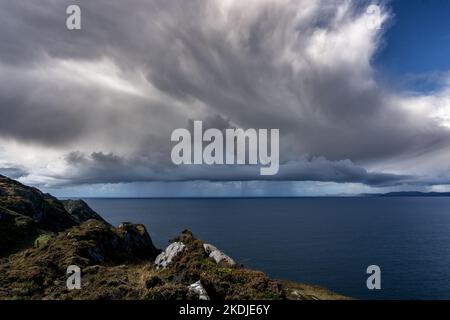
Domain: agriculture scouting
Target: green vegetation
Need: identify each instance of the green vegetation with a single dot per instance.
(40, 237)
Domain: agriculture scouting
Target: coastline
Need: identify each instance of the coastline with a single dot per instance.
(118, 262)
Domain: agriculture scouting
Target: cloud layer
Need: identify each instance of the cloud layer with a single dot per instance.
(98, 105)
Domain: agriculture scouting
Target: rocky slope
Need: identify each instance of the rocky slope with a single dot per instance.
(27, 214)
(46, 236)
(45, 210)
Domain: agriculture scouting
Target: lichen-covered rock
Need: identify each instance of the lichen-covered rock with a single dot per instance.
(218, 255)
(81, 211)
(198, 289)
(220, 280)
(167, 256)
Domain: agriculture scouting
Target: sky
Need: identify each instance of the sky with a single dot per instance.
(89, 113)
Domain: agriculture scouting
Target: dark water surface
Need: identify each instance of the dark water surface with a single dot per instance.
(324, 241)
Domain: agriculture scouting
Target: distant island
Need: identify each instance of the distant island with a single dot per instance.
(408, 194)
(41, 236)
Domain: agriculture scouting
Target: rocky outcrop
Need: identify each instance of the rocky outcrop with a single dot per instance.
(27, 215)
(96, 242)
(136, 241)
(217, 255)
(47, 211)
(167, 256)
(80, 211)
(90, 244)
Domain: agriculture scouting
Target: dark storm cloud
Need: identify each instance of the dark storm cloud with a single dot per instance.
(98, 168)
(13, 172)
(29, 112)
(300, 66)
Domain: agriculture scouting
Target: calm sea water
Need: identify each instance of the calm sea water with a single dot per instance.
(324, 241)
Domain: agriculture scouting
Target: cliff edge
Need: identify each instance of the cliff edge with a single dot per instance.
(41, 236)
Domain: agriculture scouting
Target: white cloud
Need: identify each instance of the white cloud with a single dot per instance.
(120, 86)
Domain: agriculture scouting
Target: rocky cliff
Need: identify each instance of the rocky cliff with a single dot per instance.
(41, 236)
(27, 214)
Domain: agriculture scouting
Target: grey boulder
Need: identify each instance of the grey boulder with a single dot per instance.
(218, 255)
(198, 289)
(166, 257)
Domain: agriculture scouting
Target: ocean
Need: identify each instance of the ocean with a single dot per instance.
(322, 241)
